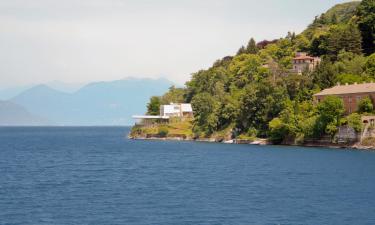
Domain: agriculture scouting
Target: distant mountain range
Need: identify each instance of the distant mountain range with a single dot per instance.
(15, 115)
(99, 103)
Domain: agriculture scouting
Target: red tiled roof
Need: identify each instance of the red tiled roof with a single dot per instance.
(348, 89)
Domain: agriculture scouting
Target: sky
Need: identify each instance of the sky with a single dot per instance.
(78, 41)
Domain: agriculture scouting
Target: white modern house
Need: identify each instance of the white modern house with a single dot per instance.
(176, 110)
(173, 110)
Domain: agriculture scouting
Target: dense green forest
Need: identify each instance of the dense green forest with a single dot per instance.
(253, 93)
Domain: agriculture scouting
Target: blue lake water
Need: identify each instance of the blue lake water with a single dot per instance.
(94, 175)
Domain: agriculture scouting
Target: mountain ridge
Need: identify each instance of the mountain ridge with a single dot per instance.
(12, 114)
(96, 103)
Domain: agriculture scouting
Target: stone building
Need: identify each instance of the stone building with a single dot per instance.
(303, 62)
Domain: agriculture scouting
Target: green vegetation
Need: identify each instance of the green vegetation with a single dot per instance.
(173, 95)
(254, 93)
(354, 121)
(176, 128)
(365, 105)
(366, 21)
(163, 131)
(153, 106)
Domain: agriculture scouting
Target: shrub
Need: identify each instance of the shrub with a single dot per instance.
(278, 131)
(136, 131)
(163, 131)
(252, 132)
(355, 122)
(365, 105)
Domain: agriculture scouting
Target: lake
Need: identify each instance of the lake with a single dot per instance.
(95, 175)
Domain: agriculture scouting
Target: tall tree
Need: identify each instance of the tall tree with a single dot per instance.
(153, 106)
(251, 47)
(366, 24)
(330, 111)
(242, 50)
(344, 37)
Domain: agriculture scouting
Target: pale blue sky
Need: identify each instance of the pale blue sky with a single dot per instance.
(92, 40)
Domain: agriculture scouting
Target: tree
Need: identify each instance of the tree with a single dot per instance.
(278, 131)
(251, 47)
(350, 63)
(318, 45)
(244, 68)
(366, 21)
(324, 75)
(205, 108)
(176, 95)
(343, 37)
(370, 66)
(153, 107)
(301, 42)
(365, 105)
(349, 79)
(242, 50)
(330, 111)
(259, 104)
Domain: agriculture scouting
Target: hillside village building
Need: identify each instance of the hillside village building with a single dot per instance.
(350, 94)
(303, 62)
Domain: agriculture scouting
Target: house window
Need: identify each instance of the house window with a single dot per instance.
(350, 99)
(358, 98)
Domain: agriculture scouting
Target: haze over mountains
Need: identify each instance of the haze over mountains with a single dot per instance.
(98, 103)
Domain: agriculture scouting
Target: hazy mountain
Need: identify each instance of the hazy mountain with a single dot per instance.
(7, 93)
(99, 103)
(65, 87)
(15, 115)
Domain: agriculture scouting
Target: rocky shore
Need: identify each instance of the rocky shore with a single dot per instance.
(356, 146)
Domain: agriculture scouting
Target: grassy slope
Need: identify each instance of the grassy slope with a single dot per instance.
(175, 128)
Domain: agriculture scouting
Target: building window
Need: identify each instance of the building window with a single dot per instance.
(350, 99)
(358, 98)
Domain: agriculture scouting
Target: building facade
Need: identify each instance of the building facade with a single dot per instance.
(167, 112)
(302, 62)
(176, 110)
(350, 94)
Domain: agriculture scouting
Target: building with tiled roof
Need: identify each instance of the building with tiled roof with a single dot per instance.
(351, 94)
(303, 62)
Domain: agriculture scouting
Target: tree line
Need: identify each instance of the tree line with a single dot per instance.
(254, 92)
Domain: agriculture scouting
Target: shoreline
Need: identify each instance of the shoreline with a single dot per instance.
(355, 146)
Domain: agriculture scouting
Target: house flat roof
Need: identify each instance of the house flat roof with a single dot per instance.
(348, 89)
(149, 117)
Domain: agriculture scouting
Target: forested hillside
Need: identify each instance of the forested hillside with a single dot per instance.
(254, 93)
